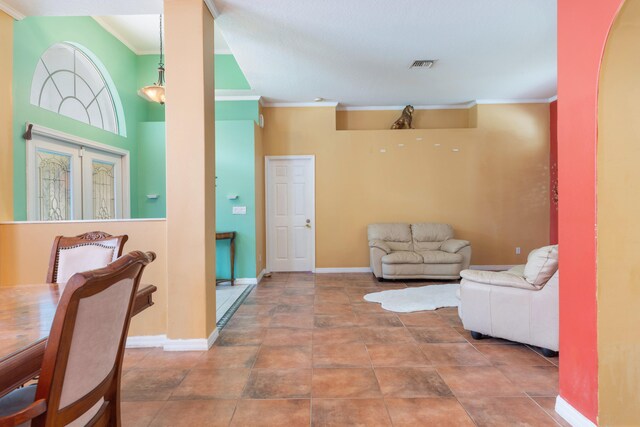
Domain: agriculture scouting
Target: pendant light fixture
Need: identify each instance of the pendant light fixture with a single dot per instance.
(155, 92)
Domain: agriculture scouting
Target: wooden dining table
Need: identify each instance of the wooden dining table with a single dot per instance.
(26, 315)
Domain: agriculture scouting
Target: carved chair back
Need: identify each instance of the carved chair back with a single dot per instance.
(88, 251)
(80, 376)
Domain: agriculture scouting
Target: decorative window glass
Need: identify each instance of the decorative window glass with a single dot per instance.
(68, 82)
(103, 190)
(54, 185)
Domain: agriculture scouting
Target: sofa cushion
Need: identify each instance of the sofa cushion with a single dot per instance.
(397, 236)
(496, 278)
(453, 245)
(429, 236)
(380, 245)
(402, 257)
(440, 257)
(541, 265)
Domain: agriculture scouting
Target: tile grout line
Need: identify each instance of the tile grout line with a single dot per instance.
(542, 409)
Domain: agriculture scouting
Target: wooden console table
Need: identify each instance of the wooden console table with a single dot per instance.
(231, 236)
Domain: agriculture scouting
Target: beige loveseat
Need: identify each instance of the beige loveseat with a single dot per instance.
(520, 304)
(416, 251)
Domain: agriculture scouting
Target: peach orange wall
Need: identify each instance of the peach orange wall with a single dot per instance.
(582, 33)
(259, 188)
(383, 119)
(190, 169)
(494, 190)
(618, 184)
(6, 117)
(25, 249)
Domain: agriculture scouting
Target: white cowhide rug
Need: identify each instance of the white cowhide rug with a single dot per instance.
(417, 299)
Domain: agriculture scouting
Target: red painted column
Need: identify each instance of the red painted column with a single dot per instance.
(553, 172)
(583, 27)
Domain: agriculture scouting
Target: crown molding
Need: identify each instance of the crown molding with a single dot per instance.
(402, 107)
(147, 52)
(11, 11)
(238, 98)
(463, 106)
(212, 8)
(300, 104)
(515, 101)
(553, 98)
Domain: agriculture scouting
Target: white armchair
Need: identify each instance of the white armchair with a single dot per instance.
(520, 304)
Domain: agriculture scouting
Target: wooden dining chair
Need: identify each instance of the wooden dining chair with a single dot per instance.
(85, 252)
(79, 383)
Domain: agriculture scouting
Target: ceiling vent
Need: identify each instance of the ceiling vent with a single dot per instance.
(423, 63)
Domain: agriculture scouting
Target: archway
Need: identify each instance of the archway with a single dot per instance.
(618, 210)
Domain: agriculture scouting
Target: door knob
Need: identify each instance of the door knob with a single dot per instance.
(308, 224)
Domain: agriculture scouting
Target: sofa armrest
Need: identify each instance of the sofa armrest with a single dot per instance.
(453, 245)
(380, 245)
(495, 278)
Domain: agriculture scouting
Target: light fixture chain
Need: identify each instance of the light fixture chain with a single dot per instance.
(161, 47)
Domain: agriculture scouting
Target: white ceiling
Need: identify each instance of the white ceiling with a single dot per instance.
(83, 7)
(140, 32)
(358, 52)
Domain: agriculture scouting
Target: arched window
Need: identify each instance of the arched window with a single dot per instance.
(70, 81)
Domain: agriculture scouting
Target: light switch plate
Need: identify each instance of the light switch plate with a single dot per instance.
(239, 210)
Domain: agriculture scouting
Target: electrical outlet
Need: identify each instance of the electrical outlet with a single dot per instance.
(518, 250)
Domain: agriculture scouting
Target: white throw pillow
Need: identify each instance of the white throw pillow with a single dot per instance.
(541, 265)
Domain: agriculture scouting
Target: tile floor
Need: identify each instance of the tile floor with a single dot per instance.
(306, 350)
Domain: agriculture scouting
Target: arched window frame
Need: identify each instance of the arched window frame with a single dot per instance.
(99, 74)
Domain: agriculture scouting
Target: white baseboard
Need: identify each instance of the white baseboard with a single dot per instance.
(368, 269)
(261, 275)
(197, 344)
(491, 267)
(571, 414)
(343, 270)
(146, 341)
(246, 281)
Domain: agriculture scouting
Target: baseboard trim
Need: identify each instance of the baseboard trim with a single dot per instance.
(146, 341)
(343, 270)
(261, 275)
(490, 267)
(246, 281)
(324, 270)
(571, 414)
(152, 341)
(195, 344)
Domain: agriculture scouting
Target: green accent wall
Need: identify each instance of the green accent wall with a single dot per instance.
(152, 172)
(145, 136)
(32, 37)
(237, 110)
(228, 74)
(235, 172)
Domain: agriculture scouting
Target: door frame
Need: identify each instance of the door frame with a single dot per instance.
(56, 136)
(267, 162)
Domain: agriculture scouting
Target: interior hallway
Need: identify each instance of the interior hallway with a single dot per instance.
(305, 349)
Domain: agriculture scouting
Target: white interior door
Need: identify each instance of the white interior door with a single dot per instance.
(290, 213)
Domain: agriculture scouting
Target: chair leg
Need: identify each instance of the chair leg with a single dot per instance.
(549, 353)
(477, 335)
